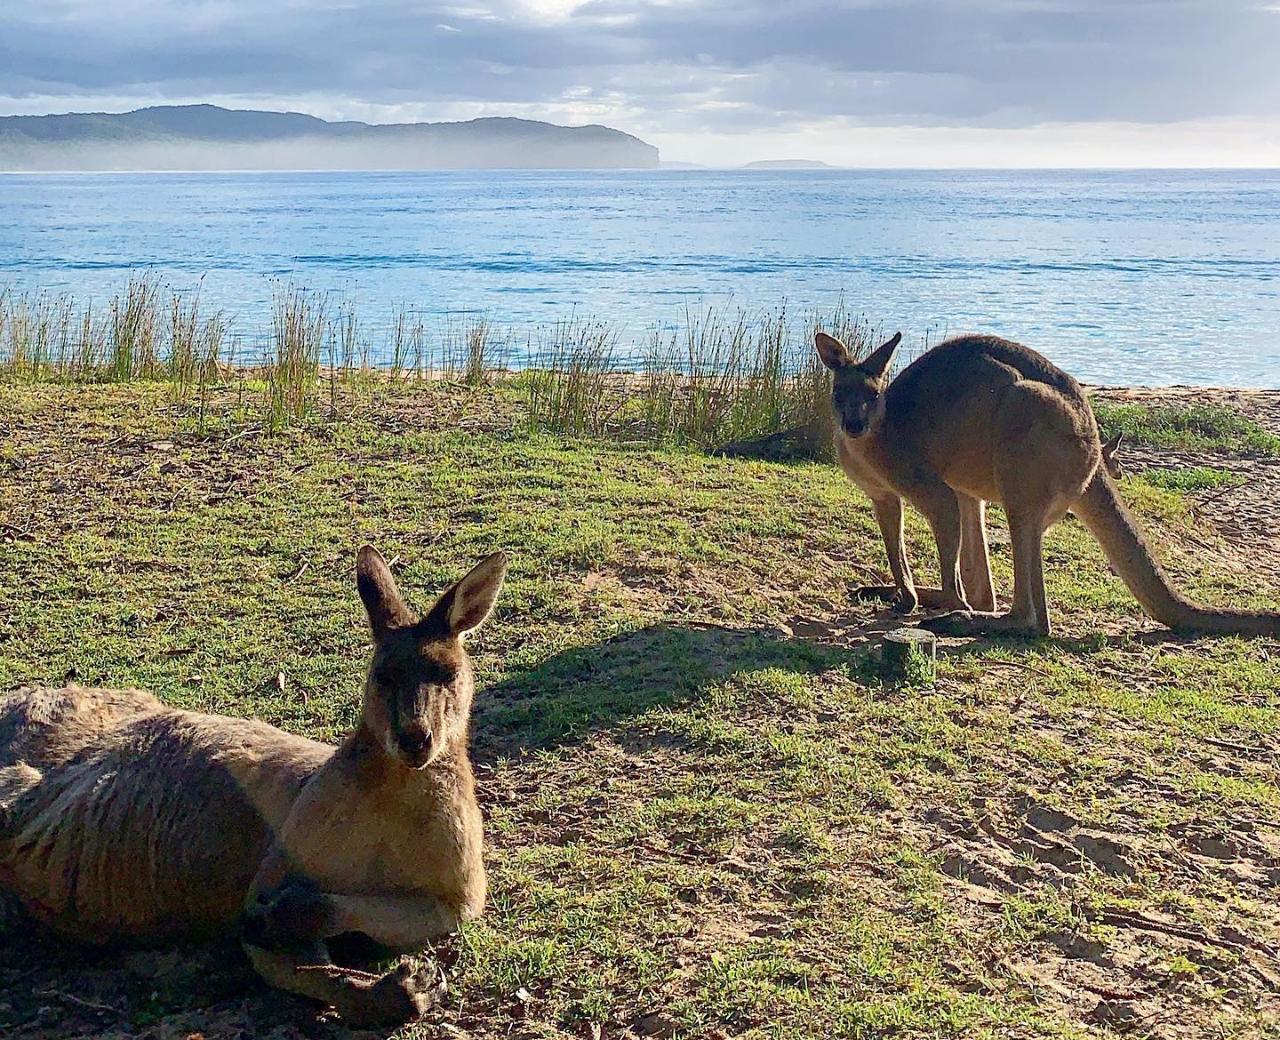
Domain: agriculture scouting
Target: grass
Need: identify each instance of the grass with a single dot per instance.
(714, 378)
(1201, 427)
(1192, 479)
(718, 379)
(697, 824)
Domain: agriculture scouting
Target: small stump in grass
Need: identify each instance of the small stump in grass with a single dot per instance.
(909, 657)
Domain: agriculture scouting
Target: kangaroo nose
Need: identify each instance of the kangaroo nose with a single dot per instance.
(415, 741)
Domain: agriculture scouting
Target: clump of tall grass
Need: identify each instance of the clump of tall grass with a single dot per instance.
(36, 333)
(473, 350)
(717, 379)
(572, 386)
(292, 372)
(135, 316)
(408, 354)
(89, 347)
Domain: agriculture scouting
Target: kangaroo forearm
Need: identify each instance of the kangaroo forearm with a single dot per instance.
(889, 516)
(297, 912)
(398, 922)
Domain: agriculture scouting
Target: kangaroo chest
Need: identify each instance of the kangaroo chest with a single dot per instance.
(861, 469)
(415, 838)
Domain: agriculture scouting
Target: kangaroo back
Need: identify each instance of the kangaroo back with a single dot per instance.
(1103, 511)
(122, 819)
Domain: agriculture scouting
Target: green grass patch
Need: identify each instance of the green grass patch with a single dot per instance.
(1192, 480)
(1200, 427)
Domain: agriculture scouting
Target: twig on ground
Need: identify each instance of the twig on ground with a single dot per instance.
(247, 431)
(1147, 924)
(1244, 749)
(80, 1002)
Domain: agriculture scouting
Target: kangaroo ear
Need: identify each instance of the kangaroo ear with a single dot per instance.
(878, 363)
(378, 591)
(465, 605)
(834, 354)
(1112, 446)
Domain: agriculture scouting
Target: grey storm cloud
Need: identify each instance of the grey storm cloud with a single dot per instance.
(714, 64)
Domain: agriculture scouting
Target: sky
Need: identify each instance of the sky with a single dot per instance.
(717, 82)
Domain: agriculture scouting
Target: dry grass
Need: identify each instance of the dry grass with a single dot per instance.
(713, 378)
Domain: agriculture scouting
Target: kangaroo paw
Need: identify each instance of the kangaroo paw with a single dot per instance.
(294, 914)
(404, 994)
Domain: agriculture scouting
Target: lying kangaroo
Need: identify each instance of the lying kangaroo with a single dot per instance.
(122, 820)
(979, 419)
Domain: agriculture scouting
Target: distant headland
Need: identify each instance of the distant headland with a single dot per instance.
(206, 137)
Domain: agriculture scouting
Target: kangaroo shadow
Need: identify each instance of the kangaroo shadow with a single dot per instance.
(563, 699)
(596, 687)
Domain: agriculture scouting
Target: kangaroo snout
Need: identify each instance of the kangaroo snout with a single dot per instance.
(415, 741)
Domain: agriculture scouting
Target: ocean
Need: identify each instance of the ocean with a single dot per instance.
(1149, 277)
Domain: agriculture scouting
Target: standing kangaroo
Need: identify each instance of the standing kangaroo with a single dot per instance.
(979, 419)
(122, 820)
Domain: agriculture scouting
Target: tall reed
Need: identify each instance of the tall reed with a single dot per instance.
(571, 387)
(134, 319)
(298, 340)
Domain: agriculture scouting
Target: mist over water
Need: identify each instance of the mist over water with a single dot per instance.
(1120, 277)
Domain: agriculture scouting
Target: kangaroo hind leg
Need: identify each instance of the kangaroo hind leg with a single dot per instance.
(975, 559)
(402, 995)
(1047, 455)
(1029, 615)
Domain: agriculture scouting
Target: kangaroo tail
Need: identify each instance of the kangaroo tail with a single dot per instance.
(1104, 513)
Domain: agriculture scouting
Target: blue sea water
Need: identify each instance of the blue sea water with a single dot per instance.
(1121, 277)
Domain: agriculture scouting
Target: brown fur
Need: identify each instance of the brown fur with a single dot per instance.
(124, 820)
(1111, 457)
(980, 419)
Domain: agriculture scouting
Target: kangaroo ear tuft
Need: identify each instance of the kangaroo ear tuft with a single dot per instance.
(465, 605)
(1112, 445)
(378, 592)
(834, 354)
(882, 357)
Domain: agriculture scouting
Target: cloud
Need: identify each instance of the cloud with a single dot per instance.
(717, 67)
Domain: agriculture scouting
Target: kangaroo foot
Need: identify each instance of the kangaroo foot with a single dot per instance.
(404, 994)
(979, 623)
(927, 596)
(947, 601)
